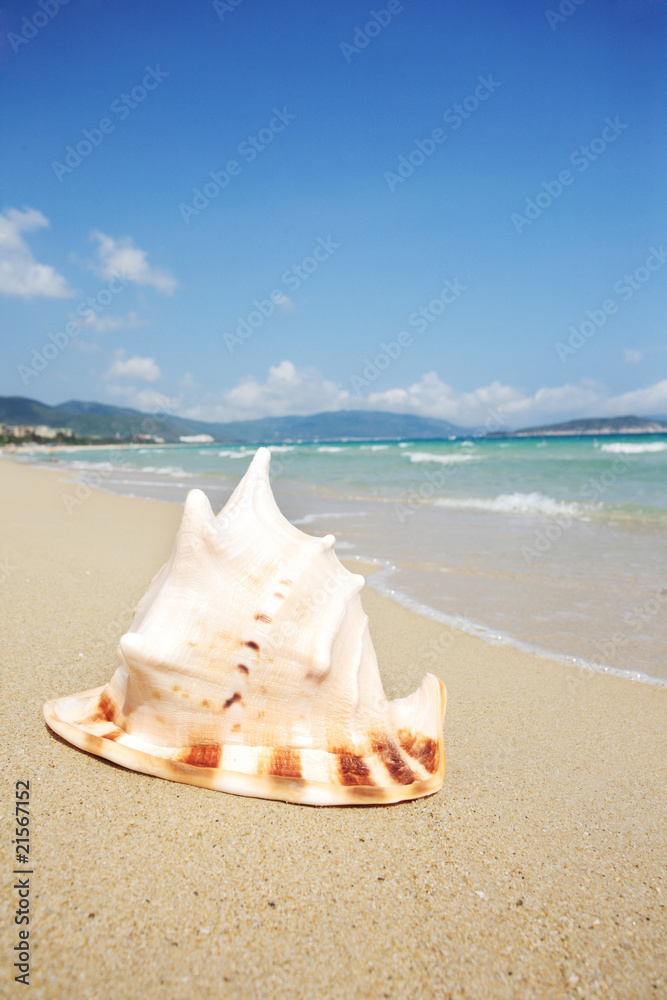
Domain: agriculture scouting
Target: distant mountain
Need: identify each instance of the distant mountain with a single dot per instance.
(90, 419)
(601, 425)
(340, 425)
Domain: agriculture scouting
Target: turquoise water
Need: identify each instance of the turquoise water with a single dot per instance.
(619, 476)
(558, 544)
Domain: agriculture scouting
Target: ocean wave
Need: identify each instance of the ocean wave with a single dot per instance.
(326, 515)
(328, 448)
(621, 448)
(77, 464)
(110, 466)
(428, 456)
(373, 447)
(228, 453)
(166, 470)
(532, 504)
(381, 582)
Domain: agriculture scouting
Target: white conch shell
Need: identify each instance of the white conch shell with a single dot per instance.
(249, 668)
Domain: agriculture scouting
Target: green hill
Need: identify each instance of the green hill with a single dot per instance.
(91, 419)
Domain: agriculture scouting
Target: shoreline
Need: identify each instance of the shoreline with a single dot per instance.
(495, 638)
(380, 581)
(535, 873)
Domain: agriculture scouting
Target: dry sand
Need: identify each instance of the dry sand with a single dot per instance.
(537, 871)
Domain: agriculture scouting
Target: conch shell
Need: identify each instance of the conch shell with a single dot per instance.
(249, 668)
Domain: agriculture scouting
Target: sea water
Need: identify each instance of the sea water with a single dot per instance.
(555, 544)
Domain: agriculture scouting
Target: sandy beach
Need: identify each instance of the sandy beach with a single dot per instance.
(537, 871)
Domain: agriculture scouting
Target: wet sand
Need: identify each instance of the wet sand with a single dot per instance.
(537, 871)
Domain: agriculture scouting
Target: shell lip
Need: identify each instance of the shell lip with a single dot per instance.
(158, 762)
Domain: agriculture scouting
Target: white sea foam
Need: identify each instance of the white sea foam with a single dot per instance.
(381, 581)
(98, 465)
(403, 444)
(328, 448)
(166, 470)
(429, 456)
(228, 453)
(621, 448)
(108, 467)
(531, 504)
(373, 447)
(325, 515)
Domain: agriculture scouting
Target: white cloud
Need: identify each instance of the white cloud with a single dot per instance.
(643, 402)
(147, 400)
(122, 257)
(287, 390)
(290, 390)
(283, 302)
(103, 324)
(144, 369)
(495, 406)
(632, 357)
(430, 397)
(20, 274)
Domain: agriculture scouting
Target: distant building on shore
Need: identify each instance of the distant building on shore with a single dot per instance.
(36, 430)
(196, 439)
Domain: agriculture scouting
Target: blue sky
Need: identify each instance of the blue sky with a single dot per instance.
(236, 209)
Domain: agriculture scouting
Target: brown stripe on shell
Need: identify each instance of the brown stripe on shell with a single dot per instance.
(230, 701)
(242, 667)
(390, 756)
(201, 755)
(252, 644)
(260, 617)
(105, 709)
(114, 735)
(285, 763)
(421, 748)
(353, 770)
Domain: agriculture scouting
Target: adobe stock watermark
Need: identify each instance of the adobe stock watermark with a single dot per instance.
(90, 479)
(279, 465)
(61, 339)
(625, 288)
(377, 22)
(591, 492)
(454, 116)
(31, 26)
(581, 158)
(419, 320)
(292, 278)
(249, 149)
(565, 9)
(433, 651)
(224, 7)
(122, 107)
(6, 569)
(87, 481)
(634, 620)
(331, 587)
(422, 493)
